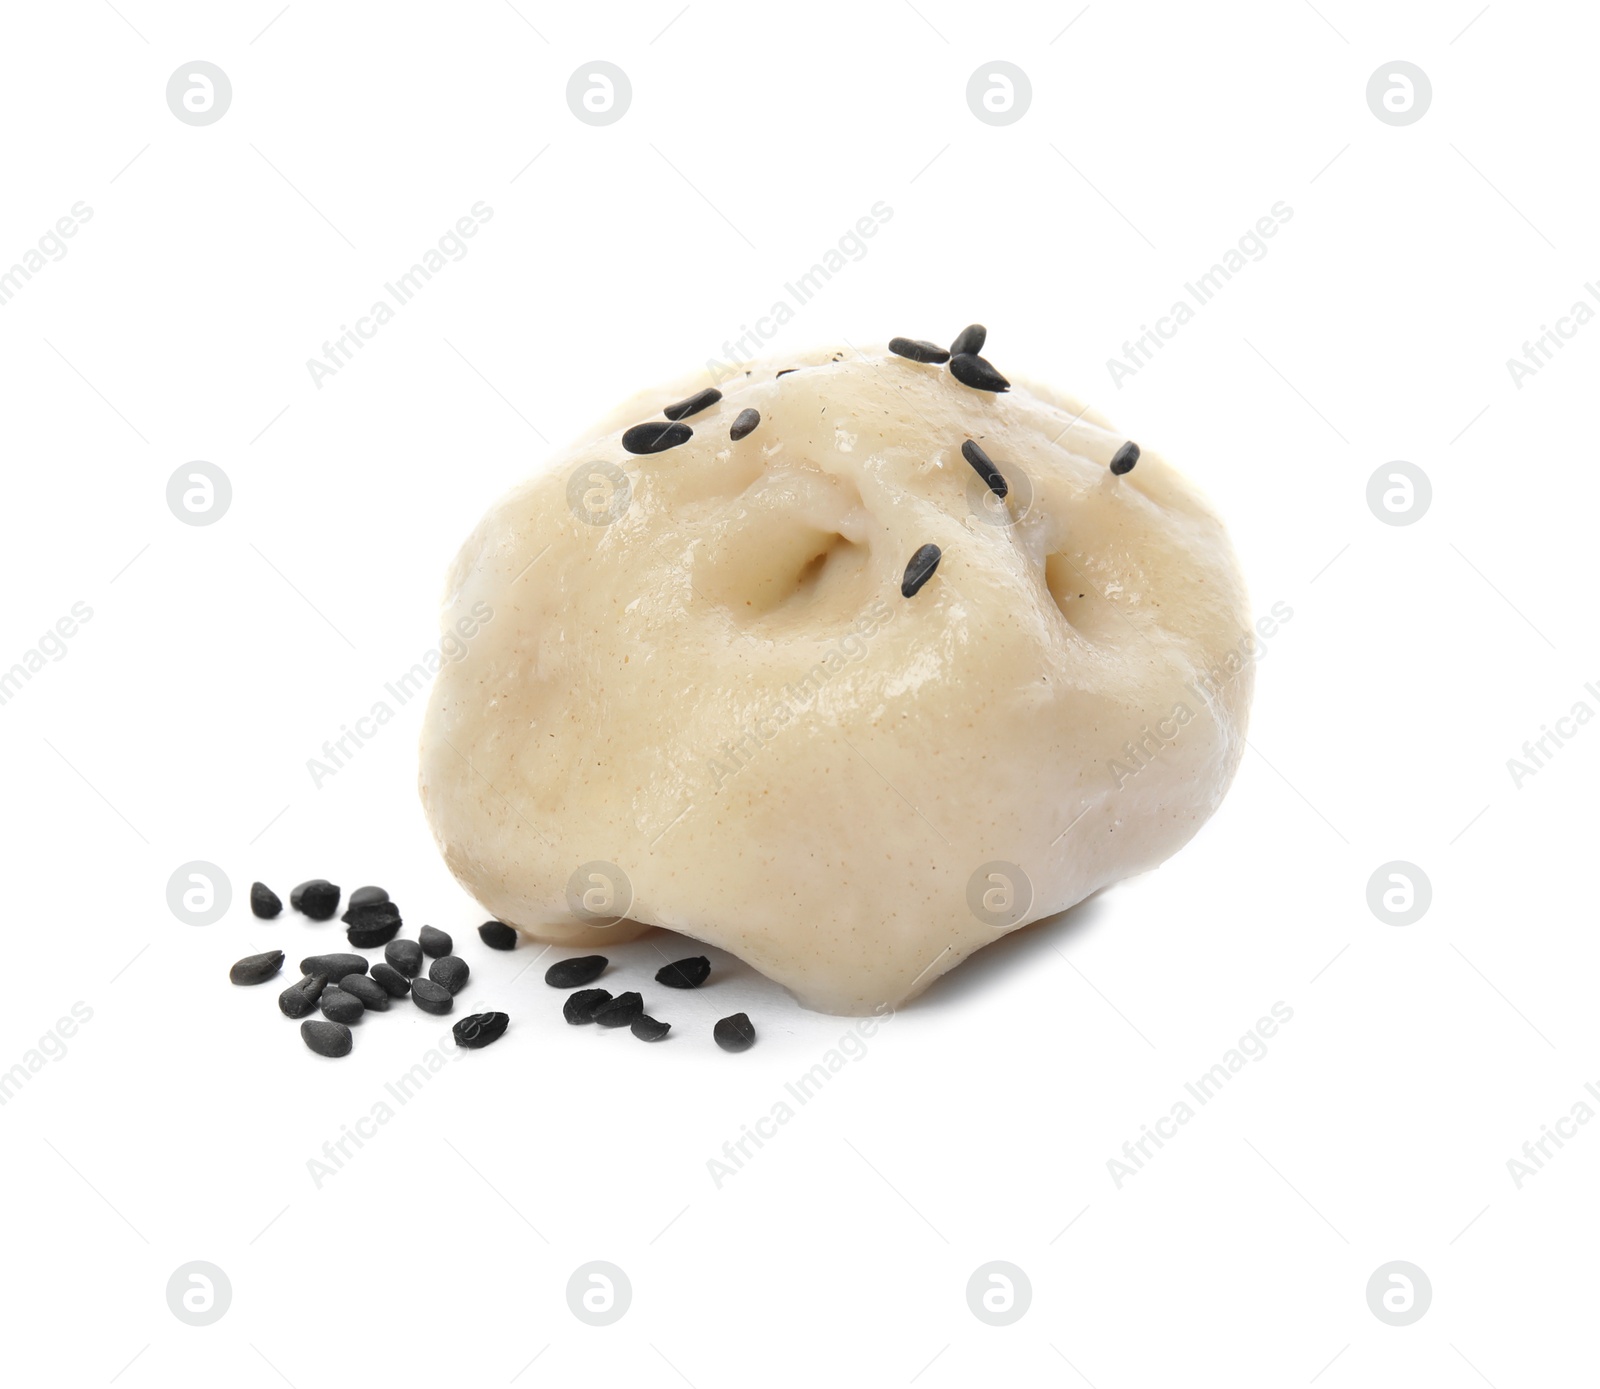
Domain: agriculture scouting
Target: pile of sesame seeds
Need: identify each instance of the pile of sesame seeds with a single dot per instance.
(345, 987)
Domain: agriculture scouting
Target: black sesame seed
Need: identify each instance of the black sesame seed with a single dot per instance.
(744, 425)
(1123, 459)
(786, 371)
(571, 974)
(374, 997)
(480, 1029)
(435, 942)
(737, 1033)
(431, 997)
(498, 936)
(579, 1007)
(256, 969)
(370, 927)
(969, 341)
(334, 966)
(358, 912)
(299, 999)
(326, 1038)
(919, 570)
(339, 1006)
(647, 1029)
(317, 898)
(619, 1011)
(264, 902)
(655, 437)
(700, 400)
(918, 350)
(394, 983)
(972, 370)
(973, 452)
(368, 896)
(685, 974)
(404, 956)
(451, 972)
(294, 1004)
(370, 934)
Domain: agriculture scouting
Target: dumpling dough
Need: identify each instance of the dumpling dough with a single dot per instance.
(722, 693)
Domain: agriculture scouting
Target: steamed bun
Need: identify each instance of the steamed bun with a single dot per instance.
(695, 695)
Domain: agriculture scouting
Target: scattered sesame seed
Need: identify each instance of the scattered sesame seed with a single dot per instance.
(367, 896)
(744, 425)
(656, 437)
(619, 1011)
(480, 1029)
(693, 405)
(326, 1038)
(450, 972)
(1123, 459)
(737, 1033)
(648, 1029)
(334, 966)
(256, 969)
(339, 1006)
(299, 999)
(318, 899)
(404, 956)
(392, 981)
(685, 974)
(374, 997)
(786, 371)
(972, 370)
(431, 997)
(919, 350)
(969, 340)
(264, 902)
(579, 1007)
(973, 452)
(919, 570)
(435, 942)
(498, 936)
(572, 974)
(371, 926)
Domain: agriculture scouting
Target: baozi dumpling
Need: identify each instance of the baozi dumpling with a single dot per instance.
(787, 674)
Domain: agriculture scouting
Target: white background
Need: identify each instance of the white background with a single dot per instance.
(179, 1123)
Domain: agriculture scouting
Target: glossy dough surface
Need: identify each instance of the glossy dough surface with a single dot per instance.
(722, 693)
